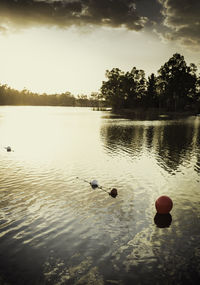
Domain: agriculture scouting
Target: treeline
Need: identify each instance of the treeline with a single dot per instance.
(10, 96)
(175, 88)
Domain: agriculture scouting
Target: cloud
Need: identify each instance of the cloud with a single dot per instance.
(65, 13)
(182, 19)
(174, 20)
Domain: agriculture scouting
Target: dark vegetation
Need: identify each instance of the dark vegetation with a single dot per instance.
(10, 96)
(175, 88)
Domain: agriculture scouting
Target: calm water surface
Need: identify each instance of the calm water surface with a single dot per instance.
(55, 229)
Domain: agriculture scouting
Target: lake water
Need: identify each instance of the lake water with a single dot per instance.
(55, 229)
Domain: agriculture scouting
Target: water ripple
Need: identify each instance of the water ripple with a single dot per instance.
(55, 229)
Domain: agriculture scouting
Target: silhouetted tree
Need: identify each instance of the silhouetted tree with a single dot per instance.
(124, 90)
(176, 87)
(96, 99)
(66, 99)
(112, 89)
(197, 97)
(176, 83)
(82, 100)
(134, 87)
(151, 95)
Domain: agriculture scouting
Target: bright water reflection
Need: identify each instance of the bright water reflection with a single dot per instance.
(54, 229)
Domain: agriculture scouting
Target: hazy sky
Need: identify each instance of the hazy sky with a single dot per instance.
(57, 46)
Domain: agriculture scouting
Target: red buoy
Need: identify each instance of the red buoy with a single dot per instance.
(163, 205)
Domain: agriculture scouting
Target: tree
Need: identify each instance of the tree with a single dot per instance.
(176, 83)
(96, 99)
(82, 100)
(197, 97)
(112, 89)
(66, 99)
(151, 95)
(137, 89)
(124, 90)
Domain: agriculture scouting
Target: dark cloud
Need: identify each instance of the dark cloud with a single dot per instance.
(177, 20)
(182, 18)
(150, 9)
(65, 13)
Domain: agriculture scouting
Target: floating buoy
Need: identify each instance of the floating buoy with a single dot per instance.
(8, 148)
(94, 184)
(163, 205)
(113, 192)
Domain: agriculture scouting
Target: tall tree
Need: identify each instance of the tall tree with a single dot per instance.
(176, 83)
(151, 96)
(112, 89)
(124, 90)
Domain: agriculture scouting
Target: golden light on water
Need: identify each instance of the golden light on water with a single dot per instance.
(55, 217)
(37, 134)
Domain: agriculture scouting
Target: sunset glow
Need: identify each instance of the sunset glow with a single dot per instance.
(55, 55)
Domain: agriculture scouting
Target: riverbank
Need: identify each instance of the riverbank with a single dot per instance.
(153, 113)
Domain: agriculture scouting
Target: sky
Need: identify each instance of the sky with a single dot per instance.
(54, 46)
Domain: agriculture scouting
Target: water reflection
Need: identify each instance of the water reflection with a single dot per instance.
(174, 145)
(150, 136)
(163, 220)
(122, 138)
(197, 150)
(166, 250)
(55, 229)
(171, 142)
(197, 166)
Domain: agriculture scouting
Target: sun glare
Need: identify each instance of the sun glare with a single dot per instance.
(49, 61)
(55, 61)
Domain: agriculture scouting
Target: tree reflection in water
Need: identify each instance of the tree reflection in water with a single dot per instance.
(171, 142)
